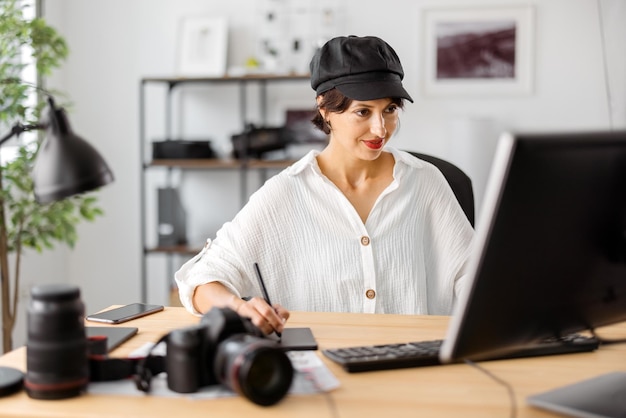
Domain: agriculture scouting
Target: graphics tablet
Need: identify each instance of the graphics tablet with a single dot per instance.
(293, 339)
(115, 335)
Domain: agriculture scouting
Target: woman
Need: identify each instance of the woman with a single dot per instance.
(357, 227)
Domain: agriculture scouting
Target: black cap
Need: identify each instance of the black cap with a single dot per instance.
(362, 68)
(11, 380)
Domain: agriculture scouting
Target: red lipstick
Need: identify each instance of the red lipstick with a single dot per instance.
(375, 144)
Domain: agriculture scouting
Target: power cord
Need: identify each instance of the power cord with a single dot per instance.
(606, 341)
(502, 382)
(607, 87)
(332, 406)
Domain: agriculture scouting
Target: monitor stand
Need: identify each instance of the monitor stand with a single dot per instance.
(603, 396)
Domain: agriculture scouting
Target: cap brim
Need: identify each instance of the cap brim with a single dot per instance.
(374, 90)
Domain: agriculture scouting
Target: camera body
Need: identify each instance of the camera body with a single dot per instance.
(191, 351)
(225, 348)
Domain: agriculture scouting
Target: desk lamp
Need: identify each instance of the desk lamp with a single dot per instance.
(65, 165)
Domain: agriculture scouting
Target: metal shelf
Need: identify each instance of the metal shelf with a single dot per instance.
(243, 166)
(219, 164)
(177, 249)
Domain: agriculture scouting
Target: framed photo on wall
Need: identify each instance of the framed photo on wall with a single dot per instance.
(202, 47)
(478, 51)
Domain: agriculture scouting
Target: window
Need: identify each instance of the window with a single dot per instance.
(29, 76)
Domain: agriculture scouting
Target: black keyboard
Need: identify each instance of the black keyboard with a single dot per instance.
(426, 353)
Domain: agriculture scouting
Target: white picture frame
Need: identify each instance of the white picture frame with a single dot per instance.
(478, 52)
(202, 47)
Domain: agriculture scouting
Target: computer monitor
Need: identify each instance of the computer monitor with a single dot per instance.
(550, 245)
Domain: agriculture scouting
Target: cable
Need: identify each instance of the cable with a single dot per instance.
(606, 341)
(502, 382)
(332, 406)
(605, 64)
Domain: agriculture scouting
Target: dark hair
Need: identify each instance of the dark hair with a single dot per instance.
(336, 102)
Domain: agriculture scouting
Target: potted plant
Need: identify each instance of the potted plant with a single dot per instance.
(24, 223)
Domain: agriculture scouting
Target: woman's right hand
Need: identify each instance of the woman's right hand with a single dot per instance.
(265, 317)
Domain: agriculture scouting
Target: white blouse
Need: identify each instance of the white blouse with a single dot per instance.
(316, 254)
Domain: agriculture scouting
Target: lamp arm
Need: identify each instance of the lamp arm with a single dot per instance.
(18, 128)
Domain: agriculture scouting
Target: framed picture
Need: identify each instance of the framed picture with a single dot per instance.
(298, 122)
(478, 52)
(202, 47)
(295, 116)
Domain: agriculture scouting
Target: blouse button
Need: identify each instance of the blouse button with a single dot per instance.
(365, 240)
(370, 294)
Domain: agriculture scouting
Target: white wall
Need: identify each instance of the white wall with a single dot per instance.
(114, 43)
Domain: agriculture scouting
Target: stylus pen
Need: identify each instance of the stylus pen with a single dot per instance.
(263, 289)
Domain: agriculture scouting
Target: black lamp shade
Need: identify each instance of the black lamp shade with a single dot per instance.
(66, 164)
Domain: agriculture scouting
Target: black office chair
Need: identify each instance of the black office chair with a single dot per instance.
(460, 183)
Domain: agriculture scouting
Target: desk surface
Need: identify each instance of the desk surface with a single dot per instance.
(442, 391)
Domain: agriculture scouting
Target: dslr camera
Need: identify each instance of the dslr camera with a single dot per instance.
(228, 349)
(223, 348)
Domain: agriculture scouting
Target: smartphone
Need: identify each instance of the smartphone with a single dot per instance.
(124, 313)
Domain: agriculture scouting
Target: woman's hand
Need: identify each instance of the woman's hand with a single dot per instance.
(267, 318)
(264, 316)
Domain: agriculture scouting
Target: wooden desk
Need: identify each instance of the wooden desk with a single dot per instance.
(442, 391)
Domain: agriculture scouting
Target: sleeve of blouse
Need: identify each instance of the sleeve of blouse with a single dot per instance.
(226, 258)
(187, 287)
(451, 236)
(223, 261)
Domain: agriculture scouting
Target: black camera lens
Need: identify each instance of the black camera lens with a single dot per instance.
(56, 348)
(184, 361)
(254, 367)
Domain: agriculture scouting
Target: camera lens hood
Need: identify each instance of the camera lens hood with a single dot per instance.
(256, 368)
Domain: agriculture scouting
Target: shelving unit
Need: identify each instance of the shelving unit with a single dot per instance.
(243, 166)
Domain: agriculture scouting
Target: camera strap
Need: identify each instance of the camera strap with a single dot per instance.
(103, 368)
(145, 367)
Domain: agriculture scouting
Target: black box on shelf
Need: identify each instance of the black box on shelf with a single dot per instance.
(172, 219)
(254, 142)
(182, 149)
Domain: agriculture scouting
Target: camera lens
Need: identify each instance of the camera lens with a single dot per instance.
(254, 367)
(56, 348)
(183, 360)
